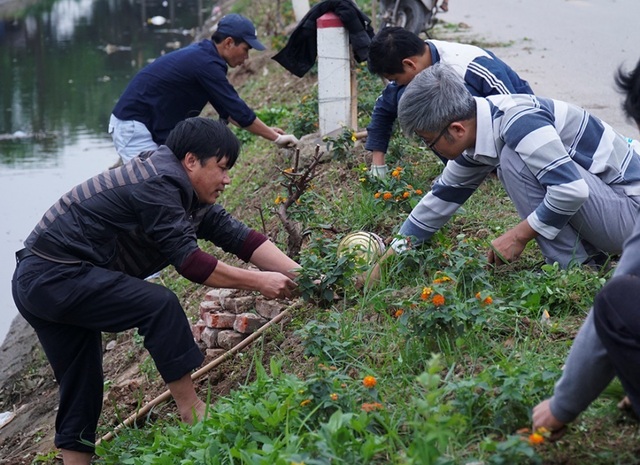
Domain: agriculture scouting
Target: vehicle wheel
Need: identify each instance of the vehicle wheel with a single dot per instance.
(410, 15)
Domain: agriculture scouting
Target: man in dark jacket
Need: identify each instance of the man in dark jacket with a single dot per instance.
(179, 84)
(83, 267)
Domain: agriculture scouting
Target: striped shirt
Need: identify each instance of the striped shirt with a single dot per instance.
(551, 137)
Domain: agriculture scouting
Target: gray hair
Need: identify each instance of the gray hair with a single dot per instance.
(435, 98)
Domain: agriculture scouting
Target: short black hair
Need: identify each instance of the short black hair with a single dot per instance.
(205, 138)
(629, 85)
(218, 37)
(390, 46)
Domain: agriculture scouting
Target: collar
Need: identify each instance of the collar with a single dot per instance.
(485, 141)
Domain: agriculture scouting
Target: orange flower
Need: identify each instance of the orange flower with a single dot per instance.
(426, 293)
(377, 195)
(370, 407)
(369, 382)
(438, 300)
(333, 396)
(395, 173)
(535, 439)
(487, 300)
(398, 313)
(305, 402)
(387, 195)
(405, 195)
(288, 170)
(441, 279)
(419, 191)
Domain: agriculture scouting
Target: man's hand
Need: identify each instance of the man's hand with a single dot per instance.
(510, 245)
(543, 418)
(379, 171)
(274, 285)
(286, 140)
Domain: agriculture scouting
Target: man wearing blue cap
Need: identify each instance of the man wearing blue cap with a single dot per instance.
(178, 85)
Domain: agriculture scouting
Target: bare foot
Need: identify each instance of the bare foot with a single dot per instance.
(195, 413)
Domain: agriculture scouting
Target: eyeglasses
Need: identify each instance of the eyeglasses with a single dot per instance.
(431, 145)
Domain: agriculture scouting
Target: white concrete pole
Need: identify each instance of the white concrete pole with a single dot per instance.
(334, 76)
(300, 8)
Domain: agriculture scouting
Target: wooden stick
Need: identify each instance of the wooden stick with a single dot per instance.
(208, 367)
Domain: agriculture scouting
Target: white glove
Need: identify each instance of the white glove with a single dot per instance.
(379, 171)
(286, 140)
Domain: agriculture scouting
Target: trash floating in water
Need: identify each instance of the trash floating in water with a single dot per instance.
(157, 21)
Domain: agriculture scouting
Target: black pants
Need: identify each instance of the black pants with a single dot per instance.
(617, 320)
(69, 306)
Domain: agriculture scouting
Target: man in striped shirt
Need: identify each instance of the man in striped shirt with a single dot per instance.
(399, 55)
(575, 182)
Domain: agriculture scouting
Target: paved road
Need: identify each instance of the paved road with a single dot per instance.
(566, 49)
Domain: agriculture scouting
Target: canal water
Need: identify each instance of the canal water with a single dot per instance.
(63, 65)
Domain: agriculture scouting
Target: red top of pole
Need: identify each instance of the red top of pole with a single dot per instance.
(328, 19)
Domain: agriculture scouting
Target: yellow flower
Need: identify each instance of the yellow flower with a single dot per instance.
(363, 179)
(278, 200)
(395, 173)
(426, 293)
(353, 137)
(288, 170)
(438, 300)
(305, 402)
(387, 195)
(377, 195)
(369, 382)
(535, 439)
(333, 396)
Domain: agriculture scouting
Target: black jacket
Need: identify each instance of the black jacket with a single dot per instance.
(299, 55)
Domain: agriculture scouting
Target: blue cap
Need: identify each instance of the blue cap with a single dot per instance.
(239, 27)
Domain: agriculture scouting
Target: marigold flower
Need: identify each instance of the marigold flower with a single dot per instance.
(377, 195)
(353, 137)
(305, 402)
(370, 407)
(419, 191)
(426, 293)
(438, 300)
(369, 382)
(399, 168)
(395, 173)
(442, 279)
(409, 186)
(478, 295)
(288, 170)
(487, 300)
(535, 439)
(405, 195)
(333, 396)
(398, 313)
(387, 195)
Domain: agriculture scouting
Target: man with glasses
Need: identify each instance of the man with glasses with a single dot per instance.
(399, 55)
(575, 182)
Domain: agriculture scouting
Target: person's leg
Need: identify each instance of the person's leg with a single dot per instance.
(617, 322)
(71, 457)
(603, 223)
(607, 217)
(64, 302)
(130, 138)
(526, 193)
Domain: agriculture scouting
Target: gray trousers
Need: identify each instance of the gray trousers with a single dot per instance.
(602, 224)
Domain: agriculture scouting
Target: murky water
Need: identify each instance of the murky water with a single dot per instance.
(63, 65)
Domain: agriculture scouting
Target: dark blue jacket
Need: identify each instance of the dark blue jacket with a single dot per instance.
(177, 86)
(484, 74)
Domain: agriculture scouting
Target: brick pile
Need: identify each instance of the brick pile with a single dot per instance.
(227, 317)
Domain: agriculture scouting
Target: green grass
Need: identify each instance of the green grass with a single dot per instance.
(456, 379)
